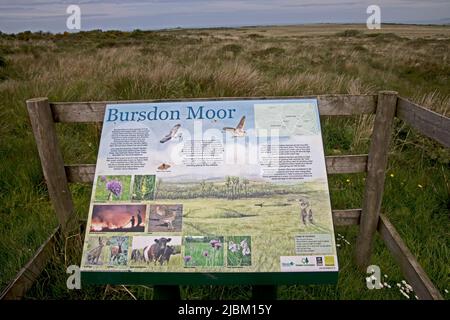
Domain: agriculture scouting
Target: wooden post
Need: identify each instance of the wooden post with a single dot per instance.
(52, 162)
(376, 171)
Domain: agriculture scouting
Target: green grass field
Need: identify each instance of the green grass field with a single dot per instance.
(223, 217)
(262, 61)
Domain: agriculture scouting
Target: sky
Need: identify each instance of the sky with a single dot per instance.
(50, 15)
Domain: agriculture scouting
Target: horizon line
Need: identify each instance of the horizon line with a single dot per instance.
(424, 24)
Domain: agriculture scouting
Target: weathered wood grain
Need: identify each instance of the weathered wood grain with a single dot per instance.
(427, 122)
(376, 171)
(29, 273)
(81, 173)
(346, 164)
(347, 217)
(329, 105)
(52, 161)
(411, 269)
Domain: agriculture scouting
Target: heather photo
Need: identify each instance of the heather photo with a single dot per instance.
(118, 218)
(112, 188)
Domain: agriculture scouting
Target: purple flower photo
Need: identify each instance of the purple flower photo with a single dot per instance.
(113, 188)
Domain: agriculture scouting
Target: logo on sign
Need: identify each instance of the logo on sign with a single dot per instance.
(319, 261)
(329, 261)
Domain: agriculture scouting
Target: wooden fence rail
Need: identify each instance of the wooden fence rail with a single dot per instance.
(84, 173)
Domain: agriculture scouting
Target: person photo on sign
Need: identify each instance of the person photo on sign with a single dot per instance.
(117, 218)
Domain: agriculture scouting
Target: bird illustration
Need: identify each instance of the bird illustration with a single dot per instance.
(239, 130)
(164, 166)
(166, 216)
(171, 134)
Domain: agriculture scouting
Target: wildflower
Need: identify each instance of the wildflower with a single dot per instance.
(103, 178)
(392, 175)
(445, 290)
(403, 293)
(348, 180)
(385, 275)
(216, 244)
(205, 253)
(187, 259)
(420, 186)
(115, 187)
(233, 247)
(245, 247)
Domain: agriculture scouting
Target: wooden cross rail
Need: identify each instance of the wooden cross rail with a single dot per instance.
(386, 105)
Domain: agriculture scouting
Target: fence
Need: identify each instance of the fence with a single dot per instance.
(386, 106)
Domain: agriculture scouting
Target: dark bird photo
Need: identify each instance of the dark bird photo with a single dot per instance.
(239, 130)
(171, 134)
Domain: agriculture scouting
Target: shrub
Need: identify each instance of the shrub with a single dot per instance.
(2, 62)
(350, 33)
(235, 48)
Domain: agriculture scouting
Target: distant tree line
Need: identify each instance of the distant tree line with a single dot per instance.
(231, 188)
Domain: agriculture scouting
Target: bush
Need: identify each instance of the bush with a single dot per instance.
(235, 48)
(350, 33)
(2, 62)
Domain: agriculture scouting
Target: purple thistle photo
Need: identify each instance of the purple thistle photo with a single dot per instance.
(187, 259)
(115, 187)
(103, 178)
(216, 244)
(205, 253)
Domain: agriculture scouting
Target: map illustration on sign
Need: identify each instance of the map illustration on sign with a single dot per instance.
(235, 187)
